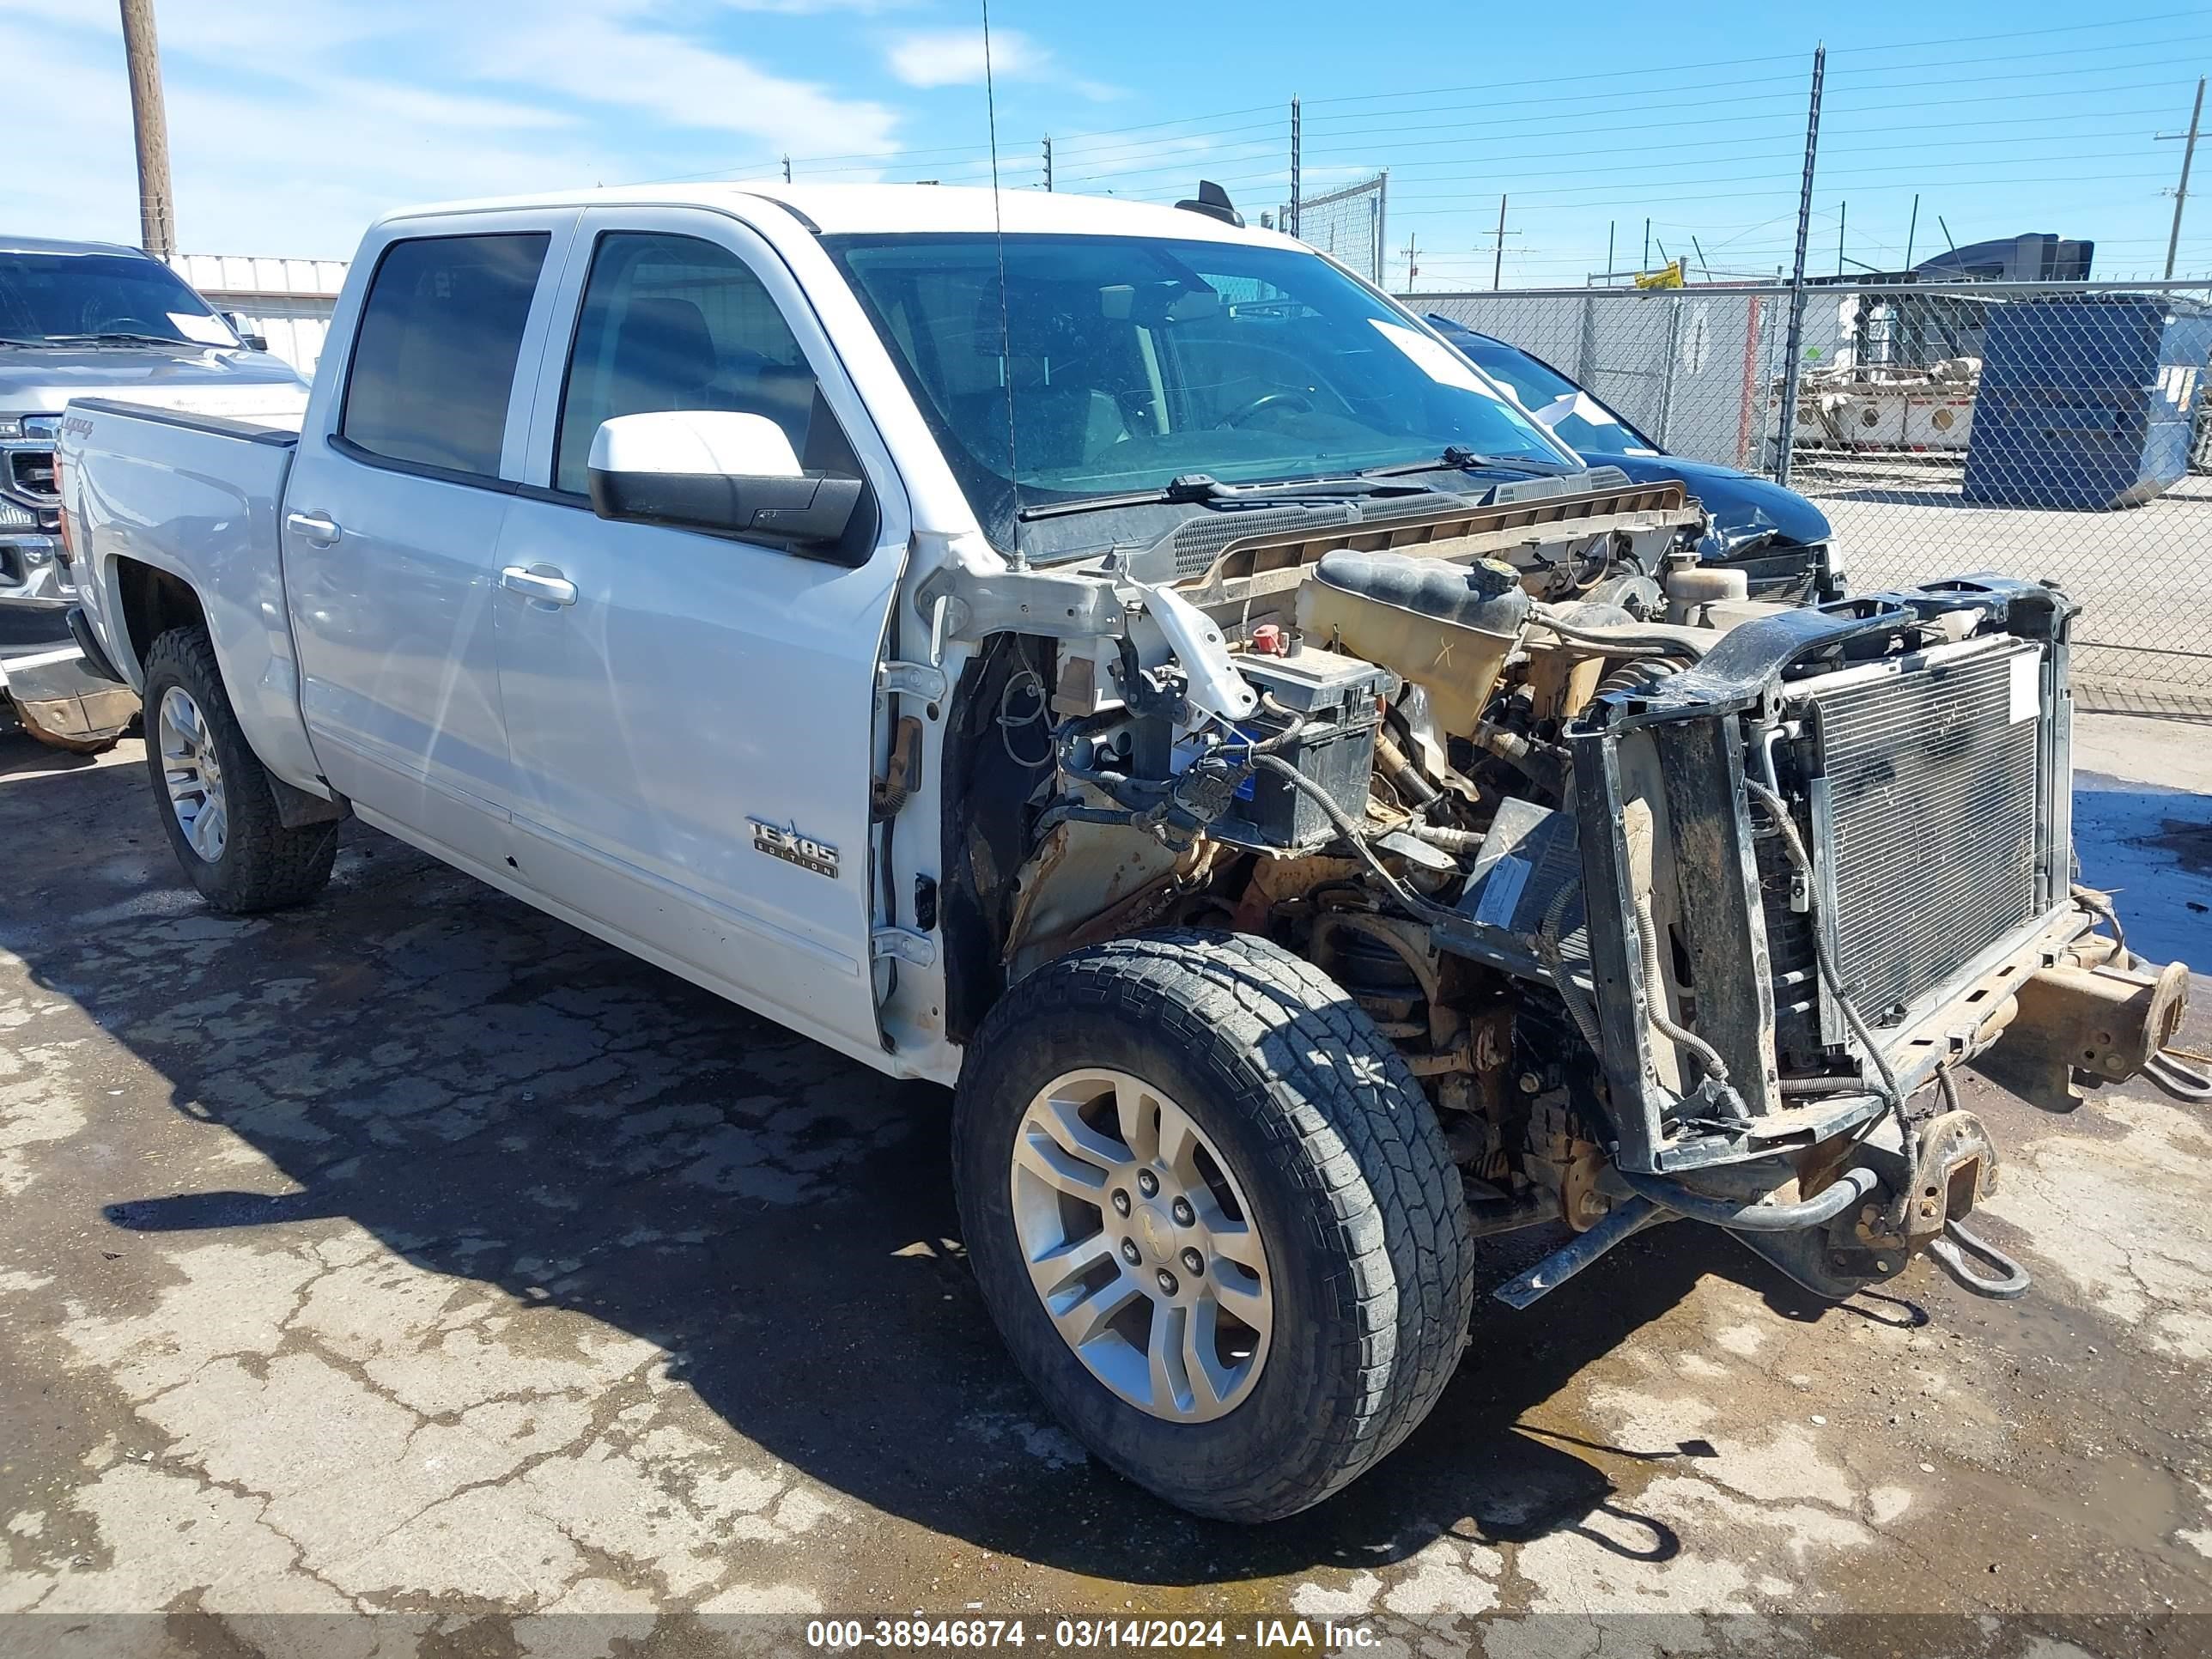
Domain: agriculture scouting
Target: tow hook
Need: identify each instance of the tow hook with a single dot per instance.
(1958, 1168)
(2184, 1082)
(1871, 1242)
(1957, 1244)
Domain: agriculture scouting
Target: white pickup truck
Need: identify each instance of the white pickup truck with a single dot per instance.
(1116, 662)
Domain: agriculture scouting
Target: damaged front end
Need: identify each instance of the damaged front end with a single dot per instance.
(1677, 904)
(1819, 872)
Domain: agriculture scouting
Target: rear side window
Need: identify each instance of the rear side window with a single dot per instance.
(434, 362)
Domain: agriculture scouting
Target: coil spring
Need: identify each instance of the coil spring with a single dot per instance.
(1633, 675)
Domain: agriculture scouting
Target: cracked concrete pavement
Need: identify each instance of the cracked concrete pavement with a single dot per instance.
(414, 1253)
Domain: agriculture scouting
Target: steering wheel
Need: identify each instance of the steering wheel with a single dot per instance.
(1296, 401)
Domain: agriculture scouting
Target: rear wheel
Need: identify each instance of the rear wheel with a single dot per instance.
(1214, 1218)
(213, 793)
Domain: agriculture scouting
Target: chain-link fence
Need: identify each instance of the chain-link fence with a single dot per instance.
(1349, 224)
(2051, 431)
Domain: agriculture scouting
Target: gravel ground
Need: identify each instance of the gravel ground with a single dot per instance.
(414, 1254)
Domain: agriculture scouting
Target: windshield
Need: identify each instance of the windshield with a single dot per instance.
(1135, 360)
(45, 296)
(1569, 413)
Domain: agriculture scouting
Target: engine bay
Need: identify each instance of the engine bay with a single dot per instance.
(1587, 830)
(1399, 767)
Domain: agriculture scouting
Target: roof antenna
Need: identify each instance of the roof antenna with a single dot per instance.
(1016, 558)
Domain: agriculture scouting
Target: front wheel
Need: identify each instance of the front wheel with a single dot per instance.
(1214, 1218)
(212, 793)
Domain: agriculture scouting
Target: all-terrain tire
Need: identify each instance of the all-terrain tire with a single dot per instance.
(263, 866)
(1350, 1184)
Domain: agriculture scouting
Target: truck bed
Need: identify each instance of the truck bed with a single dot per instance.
(277, 427)
(201, 497)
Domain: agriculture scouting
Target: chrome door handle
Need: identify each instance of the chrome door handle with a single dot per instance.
(541, 582)
(316, 529)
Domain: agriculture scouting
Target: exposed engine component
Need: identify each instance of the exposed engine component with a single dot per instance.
(1448, 627)
(1693, 585)
(1606, 847)
(1322, 711)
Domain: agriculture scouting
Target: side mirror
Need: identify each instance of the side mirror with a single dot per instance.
(244, 330)
(718, 470)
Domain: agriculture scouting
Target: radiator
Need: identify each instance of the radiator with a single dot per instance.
(1927, 817)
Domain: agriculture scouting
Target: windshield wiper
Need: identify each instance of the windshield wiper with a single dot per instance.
(1202, 488)
(120, 337)
(1458, 459)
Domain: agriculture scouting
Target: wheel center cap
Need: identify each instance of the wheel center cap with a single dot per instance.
(1157, 1232)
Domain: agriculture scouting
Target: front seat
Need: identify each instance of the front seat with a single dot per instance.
(664, 358)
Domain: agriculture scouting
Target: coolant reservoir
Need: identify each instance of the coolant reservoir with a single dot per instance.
(1693, 585)
(1446, 627)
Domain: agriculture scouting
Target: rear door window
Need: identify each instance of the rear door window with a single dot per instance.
(434, 365)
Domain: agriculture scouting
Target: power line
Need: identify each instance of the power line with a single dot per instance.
(889, 156)
(1774, 57)
(1746, 195)
(1863, 150)
(1633, 126)
(1827, 176)
(1791, 92)
(2073, 53)
(1647, 133)
(1141, 126)
(975, 156)
(1175, 137)
(2023, 34)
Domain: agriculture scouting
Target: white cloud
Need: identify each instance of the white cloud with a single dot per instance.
(293, 123)
(589, 55)
(954, 58)
(425, 106)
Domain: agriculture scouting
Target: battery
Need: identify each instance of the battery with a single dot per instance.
(1340, 698)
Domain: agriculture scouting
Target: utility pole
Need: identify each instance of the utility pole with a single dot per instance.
(150, 126)
(786, 169)
(1646, 266)
(1912, 225)
(1048, 162)
(1611, 225)
(1795, 348)
(1497, 258)
(2181, 190)
(1703, 267)
(1412, 269)
(1843, 218)
(1295, 227)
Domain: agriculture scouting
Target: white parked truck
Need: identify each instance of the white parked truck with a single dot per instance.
(91, 319)
(1117, 663)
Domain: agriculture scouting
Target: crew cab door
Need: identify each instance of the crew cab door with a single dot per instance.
(683, 710)
(407, 460)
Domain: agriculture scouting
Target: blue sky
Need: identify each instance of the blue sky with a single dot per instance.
(293, 122)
